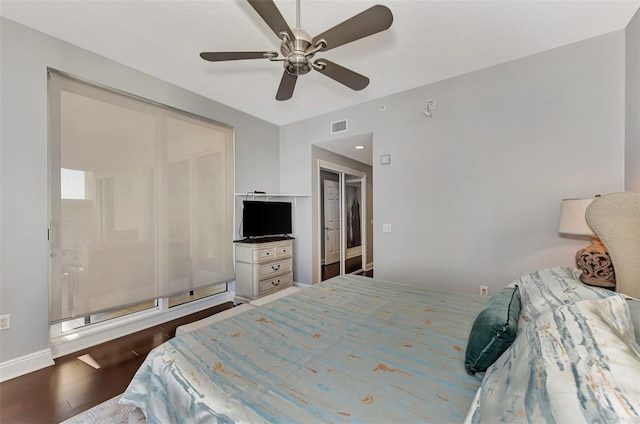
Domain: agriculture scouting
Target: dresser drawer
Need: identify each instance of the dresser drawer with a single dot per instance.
(274, 268)
(266, 254)
(275, 283)
(284, 251)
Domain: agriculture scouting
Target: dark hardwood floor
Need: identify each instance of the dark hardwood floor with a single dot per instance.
(56, 393)
(351, 265)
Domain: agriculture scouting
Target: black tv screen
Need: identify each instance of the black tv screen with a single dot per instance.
(266, 218)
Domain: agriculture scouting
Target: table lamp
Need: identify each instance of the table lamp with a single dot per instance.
(593, 260)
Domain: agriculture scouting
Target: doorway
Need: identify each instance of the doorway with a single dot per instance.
(341, 214)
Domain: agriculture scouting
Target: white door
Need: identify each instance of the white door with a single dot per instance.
(331, 222)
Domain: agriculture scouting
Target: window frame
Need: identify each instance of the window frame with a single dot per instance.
(161, 312)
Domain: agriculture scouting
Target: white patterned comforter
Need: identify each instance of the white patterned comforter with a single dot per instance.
(575, 358)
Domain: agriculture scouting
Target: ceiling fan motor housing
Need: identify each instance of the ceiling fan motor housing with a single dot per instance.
(295, 51)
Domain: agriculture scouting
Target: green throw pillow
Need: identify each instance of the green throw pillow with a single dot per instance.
(493, 330)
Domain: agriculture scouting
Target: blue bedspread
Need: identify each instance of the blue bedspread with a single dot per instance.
(350, 349)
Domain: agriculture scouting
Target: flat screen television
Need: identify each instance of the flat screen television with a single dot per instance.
(261, 219)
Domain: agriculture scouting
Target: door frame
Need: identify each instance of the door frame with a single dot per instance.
(341, 170)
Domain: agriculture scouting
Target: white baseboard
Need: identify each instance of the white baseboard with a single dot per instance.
(301, 285)
(25, 364)
(100, 333)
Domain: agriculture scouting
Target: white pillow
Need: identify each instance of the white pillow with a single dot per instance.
(577, 363)
(544, 290)
(634, 310)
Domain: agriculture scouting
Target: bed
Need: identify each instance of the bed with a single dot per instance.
(348, 349)
(356, 349)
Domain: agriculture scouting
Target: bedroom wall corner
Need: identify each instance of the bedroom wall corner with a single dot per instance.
(632, 109)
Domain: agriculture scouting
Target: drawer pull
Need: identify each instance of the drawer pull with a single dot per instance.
(267, 253)
(275, 284)
(275, 268)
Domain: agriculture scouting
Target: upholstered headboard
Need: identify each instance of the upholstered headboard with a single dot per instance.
(615, 218)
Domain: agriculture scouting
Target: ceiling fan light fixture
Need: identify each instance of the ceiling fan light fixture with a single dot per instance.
(296, 53)
(297, 64)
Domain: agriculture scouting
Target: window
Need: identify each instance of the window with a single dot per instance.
(71, 184)
(141, 201)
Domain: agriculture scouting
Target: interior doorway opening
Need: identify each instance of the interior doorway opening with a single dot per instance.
(341, 217)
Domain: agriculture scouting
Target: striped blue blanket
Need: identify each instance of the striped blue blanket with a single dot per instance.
(350, 349)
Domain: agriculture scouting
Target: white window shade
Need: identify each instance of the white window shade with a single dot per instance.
(199, 212)
(156, 214)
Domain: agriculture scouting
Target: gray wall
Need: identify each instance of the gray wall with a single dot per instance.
(632, 121)
(25, 56)
(473, 193)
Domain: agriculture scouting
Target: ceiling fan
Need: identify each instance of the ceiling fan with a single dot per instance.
(298, 48)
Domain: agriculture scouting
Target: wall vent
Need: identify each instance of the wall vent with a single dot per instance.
(339, 127)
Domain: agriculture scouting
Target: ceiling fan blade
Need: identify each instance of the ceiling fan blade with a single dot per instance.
(222, 56)
(269, 12)
(287, 84)
(371, 21)
(345, 76)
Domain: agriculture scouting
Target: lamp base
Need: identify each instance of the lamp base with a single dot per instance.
(595, 263)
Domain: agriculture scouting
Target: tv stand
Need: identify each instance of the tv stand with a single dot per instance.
(268, 239)
(263, 266)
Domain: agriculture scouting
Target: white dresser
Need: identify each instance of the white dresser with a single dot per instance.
(263, 267)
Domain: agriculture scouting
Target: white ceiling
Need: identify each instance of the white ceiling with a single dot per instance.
(428, 41)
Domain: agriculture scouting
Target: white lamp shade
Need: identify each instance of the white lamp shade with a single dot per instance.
(572, 217)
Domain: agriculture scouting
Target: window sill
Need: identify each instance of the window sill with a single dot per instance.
(94, 334)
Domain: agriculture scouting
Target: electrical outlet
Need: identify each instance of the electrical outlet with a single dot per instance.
(484, 290)
(5, 322)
